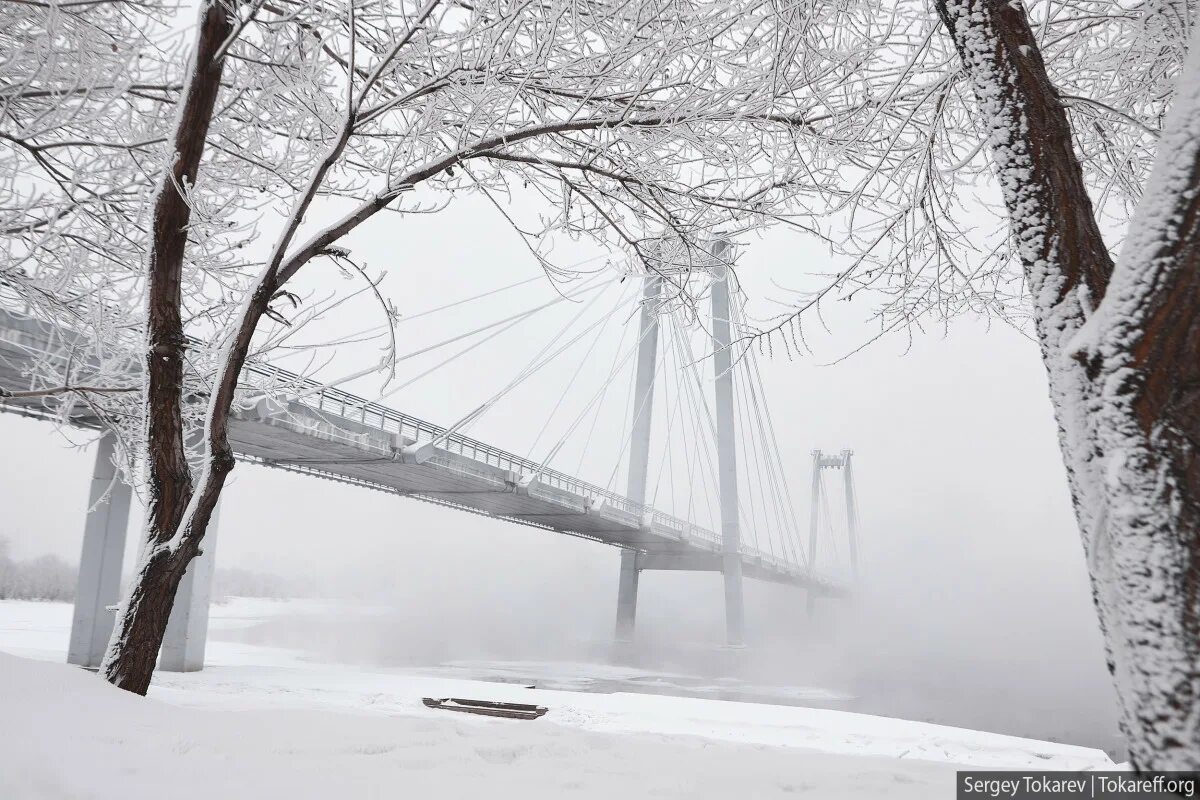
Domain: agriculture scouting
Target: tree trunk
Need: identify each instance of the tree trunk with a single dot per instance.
(180, 516)
(1066, 262)
(1122, 349)
(142, 619)
(1065, 259)
(1143, 344)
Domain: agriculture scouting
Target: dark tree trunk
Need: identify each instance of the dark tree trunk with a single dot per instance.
(1122, 349)
(1052, 223)
(1051, 212)
(142, 621)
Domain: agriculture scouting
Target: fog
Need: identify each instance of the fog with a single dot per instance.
(973, 608)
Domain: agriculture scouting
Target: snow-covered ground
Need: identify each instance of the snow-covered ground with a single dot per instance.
(266, 722)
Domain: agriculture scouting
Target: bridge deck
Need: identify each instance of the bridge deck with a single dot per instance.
(333, 434)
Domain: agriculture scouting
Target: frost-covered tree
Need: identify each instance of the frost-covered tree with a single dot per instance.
(84, 90)
(1121, 347)
(300, 121)
(78, 93)
(1065, 107)
(1140, 352)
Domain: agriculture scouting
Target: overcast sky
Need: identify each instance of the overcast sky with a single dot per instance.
(971, 557)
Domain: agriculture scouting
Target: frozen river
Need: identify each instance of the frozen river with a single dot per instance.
(585, 701)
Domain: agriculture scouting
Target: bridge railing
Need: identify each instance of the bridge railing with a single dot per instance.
(327, 399)
(259, 378)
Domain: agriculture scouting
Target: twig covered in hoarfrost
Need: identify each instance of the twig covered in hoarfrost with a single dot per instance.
(630, 121)
(918, 224)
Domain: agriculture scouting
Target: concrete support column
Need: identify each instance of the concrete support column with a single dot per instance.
(643, 393)
(639, 449)
(187, 627)
(851, 513)
(627, 591)
(726, 452)
(814, 520)
(99, 583)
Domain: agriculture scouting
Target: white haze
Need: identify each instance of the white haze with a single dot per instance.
(974, 610)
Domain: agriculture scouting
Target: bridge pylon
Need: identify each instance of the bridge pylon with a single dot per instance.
(639, 452)
(731, 544)
(632, 561)
(842, 461)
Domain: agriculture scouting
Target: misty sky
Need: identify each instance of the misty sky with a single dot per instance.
(973, 573)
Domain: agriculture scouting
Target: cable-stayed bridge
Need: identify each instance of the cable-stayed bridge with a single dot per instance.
(305, 426)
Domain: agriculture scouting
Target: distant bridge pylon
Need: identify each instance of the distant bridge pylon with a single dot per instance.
(821, 517)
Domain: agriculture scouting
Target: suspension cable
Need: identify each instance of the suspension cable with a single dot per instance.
(789, 502)
(696, 399)
(595, 397)
(616, 365)
(490, 292)
(516, 320)
(578, 369)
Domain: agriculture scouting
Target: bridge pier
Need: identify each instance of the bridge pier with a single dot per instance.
(187, 627)
(99, 583)
(98, 586)
(735, 613)
(627, 591)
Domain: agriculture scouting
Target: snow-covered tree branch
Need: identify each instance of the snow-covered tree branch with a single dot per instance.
(627, 120)
(1064, 113)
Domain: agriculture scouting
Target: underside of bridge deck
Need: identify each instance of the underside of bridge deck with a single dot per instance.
(385, 450)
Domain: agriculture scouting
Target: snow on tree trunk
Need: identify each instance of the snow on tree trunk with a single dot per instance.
(1121, 348)
(1143, 347)
(1052, 223)
(142, 618)
(1066, 263)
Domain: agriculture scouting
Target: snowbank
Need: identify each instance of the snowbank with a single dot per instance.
(264, 722)
(70, 735)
